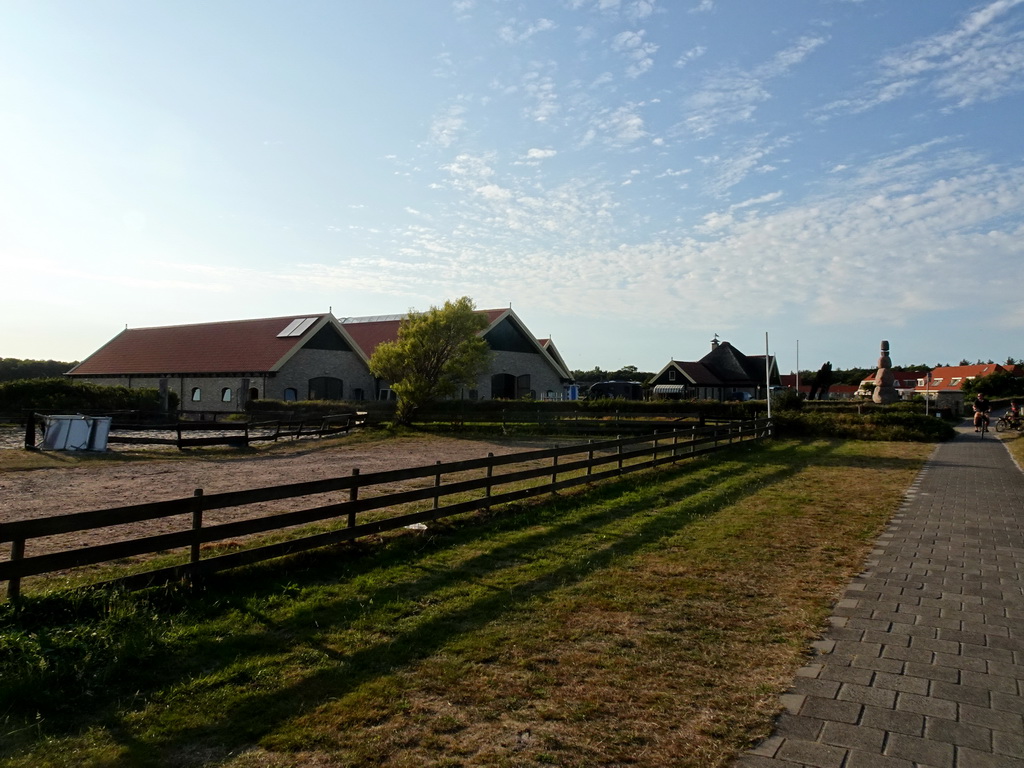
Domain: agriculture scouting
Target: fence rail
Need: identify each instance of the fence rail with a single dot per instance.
(186, 434)
(569, 467)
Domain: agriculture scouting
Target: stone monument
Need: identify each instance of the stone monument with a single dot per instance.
(884, 392)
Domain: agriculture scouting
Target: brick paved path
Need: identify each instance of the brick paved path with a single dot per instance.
(924, 662)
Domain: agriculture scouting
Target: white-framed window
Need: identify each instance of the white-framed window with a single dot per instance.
(955, 380)
(225, 395)
(672, 374)
(197, 394)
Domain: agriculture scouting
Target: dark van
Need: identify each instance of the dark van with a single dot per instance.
(625, 390)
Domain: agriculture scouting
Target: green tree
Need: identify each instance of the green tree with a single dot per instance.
(435, 353)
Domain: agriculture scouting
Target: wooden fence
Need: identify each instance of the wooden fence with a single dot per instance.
(476, 479)
(194, 434)
(571, 421)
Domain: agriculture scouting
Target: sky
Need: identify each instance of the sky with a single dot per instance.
(632, 177)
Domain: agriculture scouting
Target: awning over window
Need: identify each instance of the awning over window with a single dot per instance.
(670, 389)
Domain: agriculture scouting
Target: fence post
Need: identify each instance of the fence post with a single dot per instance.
(675, 445)
(619, 450)
(353, 495)
(693, 440)
(590, 458)
(197, 523)
(437, 484)
(654, 453)
(554, 472)
(489, 475)
(14, 584)
(30, 432)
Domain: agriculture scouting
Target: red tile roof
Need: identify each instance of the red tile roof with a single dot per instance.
(370, 332)
(228, 347)
(942, 377)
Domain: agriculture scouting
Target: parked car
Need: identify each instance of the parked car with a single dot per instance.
(626, 390)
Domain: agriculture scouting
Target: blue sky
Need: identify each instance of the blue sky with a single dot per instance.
(631, 176)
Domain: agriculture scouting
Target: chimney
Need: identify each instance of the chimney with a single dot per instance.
(714, 343)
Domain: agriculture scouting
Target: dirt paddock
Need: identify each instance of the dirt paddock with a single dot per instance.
(101, 484)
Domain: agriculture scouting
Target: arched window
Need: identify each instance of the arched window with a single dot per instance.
(325, 388)
(225, 395)
(291, 394)
(197, 394)
(358, 394)
(254, 394)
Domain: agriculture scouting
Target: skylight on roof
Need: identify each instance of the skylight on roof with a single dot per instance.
(297, 327)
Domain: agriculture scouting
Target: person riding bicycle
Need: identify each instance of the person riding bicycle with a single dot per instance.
(981, 410)
(1013, 414)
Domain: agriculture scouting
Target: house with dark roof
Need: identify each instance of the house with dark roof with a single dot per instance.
(221, 366)
(522, 366)
(722, 374)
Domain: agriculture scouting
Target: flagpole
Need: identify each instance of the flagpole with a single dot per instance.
(767, 375)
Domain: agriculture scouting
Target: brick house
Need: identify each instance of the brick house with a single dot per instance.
(221, 366)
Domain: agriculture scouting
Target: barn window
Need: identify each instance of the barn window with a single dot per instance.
(291, 394)
(197, 394)
(254, 393)
(326, 388)
(225, 395)
(671, 375)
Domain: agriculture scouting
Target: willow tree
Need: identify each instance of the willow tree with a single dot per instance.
(435, 354)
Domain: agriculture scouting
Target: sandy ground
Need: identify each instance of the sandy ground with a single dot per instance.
(101, 485)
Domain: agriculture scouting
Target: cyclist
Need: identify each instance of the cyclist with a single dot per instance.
(1013, 415)
(981, 409)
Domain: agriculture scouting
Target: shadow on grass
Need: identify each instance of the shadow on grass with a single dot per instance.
(668, 499)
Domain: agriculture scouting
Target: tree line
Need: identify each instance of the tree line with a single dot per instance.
(13, 369)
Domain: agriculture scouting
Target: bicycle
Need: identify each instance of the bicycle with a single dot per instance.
(983, 422)
(1006, 422)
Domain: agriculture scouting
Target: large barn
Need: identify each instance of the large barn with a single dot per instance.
(221, 366)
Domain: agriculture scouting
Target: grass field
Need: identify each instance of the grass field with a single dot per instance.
(651, 621)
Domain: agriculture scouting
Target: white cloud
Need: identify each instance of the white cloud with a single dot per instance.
(639, 54)
(732, 95)
(447, 127)
(691, 55)
(518, 32)
(981, 60)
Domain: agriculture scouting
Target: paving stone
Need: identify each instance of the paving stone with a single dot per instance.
(853, 736)
(905, 683)
(846, 674)
(995, 719)
(1011, 744)
(797, 727)
(971, 758)
(812, 753)
(1008, 702)
(865, 694)
(829, 709)
(894, 721)
(964, 694)
(858, 759)
(925, 705)
(920, 751)
(959, 734)
(990, 682)
(932, 672)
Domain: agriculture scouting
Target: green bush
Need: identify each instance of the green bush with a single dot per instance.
(893, 423)
(56, 395)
